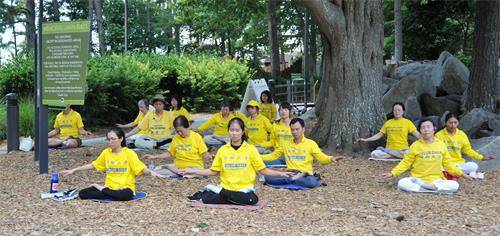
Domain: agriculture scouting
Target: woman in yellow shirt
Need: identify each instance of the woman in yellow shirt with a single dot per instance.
(280, 133)
(177, 108)
(187, 148)
(258, 127)
(427, 156)
(267, 107)
(121, 165)
(457, 141)
(396, 130)
(143, 105)
(236, 163)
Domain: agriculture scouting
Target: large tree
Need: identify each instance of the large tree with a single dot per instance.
(349, 103)
(481, 89)
(30, 24)
(100, 26)
(273, 38)
(398, 31)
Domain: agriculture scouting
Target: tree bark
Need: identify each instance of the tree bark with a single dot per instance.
(350, 105)
(148, 25)
(55, 8)
(177, 34)
(126, 25)
(90, 18)
(313, 56)
(30, 24)
(398, 31)
(273, 39)
(481, 89)
(100, 26)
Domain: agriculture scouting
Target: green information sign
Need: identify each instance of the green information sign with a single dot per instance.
(65, 47)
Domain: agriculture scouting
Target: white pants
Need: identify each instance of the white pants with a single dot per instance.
(264, 150)
(145, 142)
(382, 152)
(411, 184)
(468, 167)
(212, 139)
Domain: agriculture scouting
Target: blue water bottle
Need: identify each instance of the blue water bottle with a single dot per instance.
(54, 183)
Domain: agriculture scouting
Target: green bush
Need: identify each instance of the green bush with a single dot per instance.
(116, 82)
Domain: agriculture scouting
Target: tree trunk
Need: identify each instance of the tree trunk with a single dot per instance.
(90, 18)
(313, 56)
(177, 34)
(398, 31)
(481, 89)
(55, 8)
(222, 46)
(30, 24)
(126, 25)
(148, 25)
(255, 55)
(229, 49)
(100, 26)
(273, 39)
(351, 100)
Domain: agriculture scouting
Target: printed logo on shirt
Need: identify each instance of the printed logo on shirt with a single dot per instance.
(297, 158)
(431, 154)
(394, 129)
(235, 166)
(116, 170)
(184, 147)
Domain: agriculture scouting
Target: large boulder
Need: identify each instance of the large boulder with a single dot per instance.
(388, 83)
(309, 115)
(480, 119)
(452, 73)
(413, 111)
(488, 146)
(438, 105)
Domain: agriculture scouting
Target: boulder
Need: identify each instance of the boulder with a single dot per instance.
(478, 119)
(388, 83)
(438, 105)
(488, 146)
(308, 115)
(413, 111)
(415, 80)
(452, 74)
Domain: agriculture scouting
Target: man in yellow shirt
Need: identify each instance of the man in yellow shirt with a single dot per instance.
(427, 156)
(457, 141)
(68, 126)
(258, 127)
(219, 121)
(187, 148)
(299, 156)
(396, 130)
(157, 125)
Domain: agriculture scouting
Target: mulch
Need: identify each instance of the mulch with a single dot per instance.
(353, 203)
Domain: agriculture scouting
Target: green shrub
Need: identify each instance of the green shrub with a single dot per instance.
(18, 76)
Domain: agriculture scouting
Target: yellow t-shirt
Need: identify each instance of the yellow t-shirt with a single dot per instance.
(279, 133)
(427, 161)
(456, 143)
(397, 132)
(300, 156)
(257, 129)
(237, 167)
(68, 125)
(138, 120)
(219, 123)
(187, 151)
(182, 111)
(268, 110)
(120, 169)
(157, 127)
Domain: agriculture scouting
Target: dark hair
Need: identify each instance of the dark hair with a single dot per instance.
(119, 133)
(240, 122)
(269, 98)
(449, 116)
(295, 120)
(398, 103)
(181, 121)
(285, 105)
(178, 98)
(144, 102)
(258, 109)
(425, 119)
(226, 104)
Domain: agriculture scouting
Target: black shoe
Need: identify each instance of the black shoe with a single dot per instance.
(196, 196)
(318, 176)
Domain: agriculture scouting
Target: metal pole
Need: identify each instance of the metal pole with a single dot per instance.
(42, 151)
(306, 56)
(12, 122)
(36, 99)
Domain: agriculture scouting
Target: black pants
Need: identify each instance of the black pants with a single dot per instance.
(229, 197)
(125, 194)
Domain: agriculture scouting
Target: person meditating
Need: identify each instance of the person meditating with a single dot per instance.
(299, 157)
(236, 163)
(121, 165)
(427, 157)
(396, 130)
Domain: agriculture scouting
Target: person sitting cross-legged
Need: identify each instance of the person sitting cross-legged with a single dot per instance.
(299, 157)
(68, 126)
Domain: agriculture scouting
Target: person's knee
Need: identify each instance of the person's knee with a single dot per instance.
(406, 184)
(446, 185)
(70, 143)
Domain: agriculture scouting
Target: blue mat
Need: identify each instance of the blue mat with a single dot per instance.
(288, 186)
(138, 195)
(182, 177)
(428, 191)
(276, 165)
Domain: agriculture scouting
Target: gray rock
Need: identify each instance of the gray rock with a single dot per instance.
(413, 111)
(415, 69)
(438, 105)
(310, 114)
(388, 83)
(488, 146)
(471, 122)
(452, 74)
